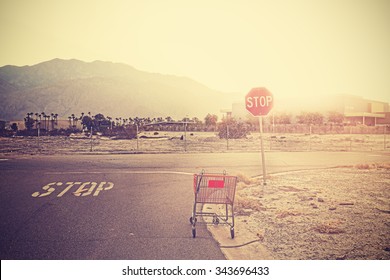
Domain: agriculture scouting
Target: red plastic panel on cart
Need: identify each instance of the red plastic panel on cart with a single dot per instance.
(217, 184)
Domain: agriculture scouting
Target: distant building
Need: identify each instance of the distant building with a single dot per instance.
(358, 110)
(355, 109)
(239, 111)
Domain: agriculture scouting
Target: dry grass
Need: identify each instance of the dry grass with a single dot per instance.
(284, 214)
(319, 215)
(242, 204)
(366, 166)
(241, 178)
(329, 227)
(170, 142)
(289, 189)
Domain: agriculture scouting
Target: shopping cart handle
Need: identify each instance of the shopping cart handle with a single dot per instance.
(198, 185)
(200, 180)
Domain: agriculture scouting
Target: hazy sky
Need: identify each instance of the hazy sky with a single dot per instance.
(297, 47)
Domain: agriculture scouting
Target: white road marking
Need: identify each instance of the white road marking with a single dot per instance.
(87, 188)
(118, 172)
(84, 189)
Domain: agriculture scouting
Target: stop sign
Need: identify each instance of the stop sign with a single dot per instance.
(259, 101)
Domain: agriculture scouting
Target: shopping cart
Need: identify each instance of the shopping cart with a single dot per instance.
(213, 189)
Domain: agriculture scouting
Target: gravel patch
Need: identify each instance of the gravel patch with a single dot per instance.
(339, 213)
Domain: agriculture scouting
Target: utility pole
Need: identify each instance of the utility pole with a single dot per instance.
(262, 151)
(39, 132)
(136, 125)
(91, 137)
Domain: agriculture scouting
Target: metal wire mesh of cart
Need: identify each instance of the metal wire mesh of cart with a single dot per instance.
(214, 189)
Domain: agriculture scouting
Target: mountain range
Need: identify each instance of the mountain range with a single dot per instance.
(66, 87)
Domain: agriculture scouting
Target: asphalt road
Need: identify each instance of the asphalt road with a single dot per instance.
(123, 206)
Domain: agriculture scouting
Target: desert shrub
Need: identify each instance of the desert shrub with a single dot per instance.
(329, 227)
(384, 165)
(125, 132)
(241, 203)
(367, 166)
(284, 214)
(364, 166)
(241, 178)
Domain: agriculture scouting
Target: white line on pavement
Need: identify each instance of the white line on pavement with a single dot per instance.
(118, 172)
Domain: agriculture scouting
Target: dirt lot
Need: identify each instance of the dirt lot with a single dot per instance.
(338, 213)
(168, 142)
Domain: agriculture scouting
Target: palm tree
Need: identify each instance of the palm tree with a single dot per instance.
(47, 118)
(40, 120)
(52, 121)
(43, 117)
(73, 118)
(56, 118)
(28, 121)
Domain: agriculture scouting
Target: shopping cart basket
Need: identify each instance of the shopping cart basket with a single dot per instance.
(213, 189)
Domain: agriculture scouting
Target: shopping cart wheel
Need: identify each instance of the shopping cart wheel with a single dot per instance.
(232, 232)
(192, 220)
(193, 232)
(215, 221)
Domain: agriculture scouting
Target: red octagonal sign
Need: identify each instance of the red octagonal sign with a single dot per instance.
(259, 101)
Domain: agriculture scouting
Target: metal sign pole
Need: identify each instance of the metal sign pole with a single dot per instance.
(262, 150)
(259, 101)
